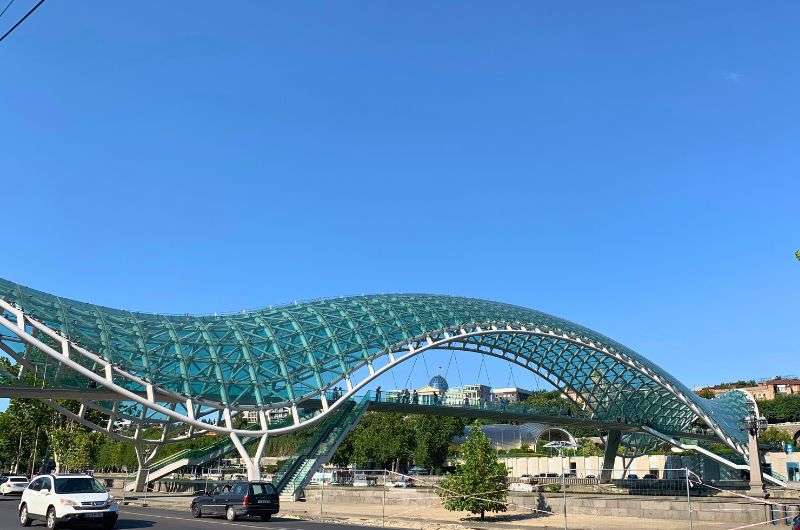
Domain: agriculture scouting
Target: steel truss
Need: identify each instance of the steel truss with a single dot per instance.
(178, 372)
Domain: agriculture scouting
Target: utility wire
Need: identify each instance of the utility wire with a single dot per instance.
(20, 21)
(3, 12)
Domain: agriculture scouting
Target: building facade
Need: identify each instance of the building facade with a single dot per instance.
(438, 391)
(766, 390)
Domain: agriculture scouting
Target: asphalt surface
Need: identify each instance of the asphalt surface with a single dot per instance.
(136, 517)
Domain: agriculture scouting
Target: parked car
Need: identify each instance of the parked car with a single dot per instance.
(591, 476)
(14, 485)
(633, 476)
(402, 482)
(416, 470)
(796, 523)
(236, 499)
(650, 476)
(67, 498)
(362, 480)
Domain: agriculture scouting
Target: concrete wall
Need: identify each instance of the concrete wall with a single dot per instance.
(591, 465)
(584, 465)
(636, 507)
(372, 496)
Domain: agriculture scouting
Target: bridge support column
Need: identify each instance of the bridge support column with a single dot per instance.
(756, 474)
(610, 456)
(143, 459)
(250, 462)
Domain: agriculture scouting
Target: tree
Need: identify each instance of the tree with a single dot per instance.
(480, 482)
(797, 254)
(705, 393)
(783, 408)
(587, 447)
(383, 440)
(74, 449)
(433, 437)
(774, 436)
(548, 399)
(22, 427)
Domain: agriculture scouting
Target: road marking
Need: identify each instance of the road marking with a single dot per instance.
(194, 520)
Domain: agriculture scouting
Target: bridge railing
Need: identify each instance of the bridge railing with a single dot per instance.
(409, 398)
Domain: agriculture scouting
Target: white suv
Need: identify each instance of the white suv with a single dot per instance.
(12, 485)
(66, 499)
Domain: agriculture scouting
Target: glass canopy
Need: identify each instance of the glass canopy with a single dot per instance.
(291, 353)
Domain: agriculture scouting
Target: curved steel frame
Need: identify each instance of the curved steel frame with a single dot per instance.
(178, 370)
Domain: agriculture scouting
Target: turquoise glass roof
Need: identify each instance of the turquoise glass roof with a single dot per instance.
(289, 353)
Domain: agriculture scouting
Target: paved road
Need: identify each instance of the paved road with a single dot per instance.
(136, 517)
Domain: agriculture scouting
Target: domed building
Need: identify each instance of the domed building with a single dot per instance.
(439, 383)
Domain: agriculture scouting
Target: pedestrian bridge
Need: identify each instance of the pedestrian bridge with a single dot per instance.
(194, 374)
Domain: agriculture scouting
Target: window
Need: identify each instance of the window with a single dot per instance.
(263, 489)
(78, 485)
(18, 479)
(240, 489)
(47, 484)
(36, 485)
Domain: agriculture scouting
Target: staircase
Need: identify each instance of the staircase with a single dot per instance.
(297, 471)
(187, 457)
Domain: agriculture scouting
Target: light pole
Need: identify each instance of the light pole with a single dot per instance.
(754, 425)
(561, 445)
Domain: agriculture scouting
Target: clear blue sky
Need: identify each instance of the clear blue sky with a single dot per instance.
(633, 167)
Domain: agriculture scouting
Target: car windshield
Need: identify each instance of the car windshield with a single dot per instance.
(263, 489)
(78, 485)
(18, 479)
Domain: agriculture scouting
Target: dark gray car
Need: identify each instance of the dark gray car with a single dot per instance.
(237, 499)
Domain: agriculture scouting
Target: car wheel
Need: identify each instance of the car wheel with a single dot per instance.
(266, 517)
(51, 518)
(24, 520)
(197, 512)
(230, 514)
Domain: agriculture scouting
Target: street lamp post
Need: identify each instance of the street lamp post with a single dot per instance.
(755, 425)
(561, 445)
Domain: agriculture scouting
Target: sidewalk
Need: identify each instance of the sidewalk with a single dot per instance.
(437, 518)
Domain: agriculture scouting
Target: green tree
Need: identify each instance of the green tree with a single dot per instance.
(706, 393)
(781, 409)
(775, 436)
(433, 438)
(548, 399)
(22, 429)
(480, 482)
(381, 440)
(74, 449)
(587, 447)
